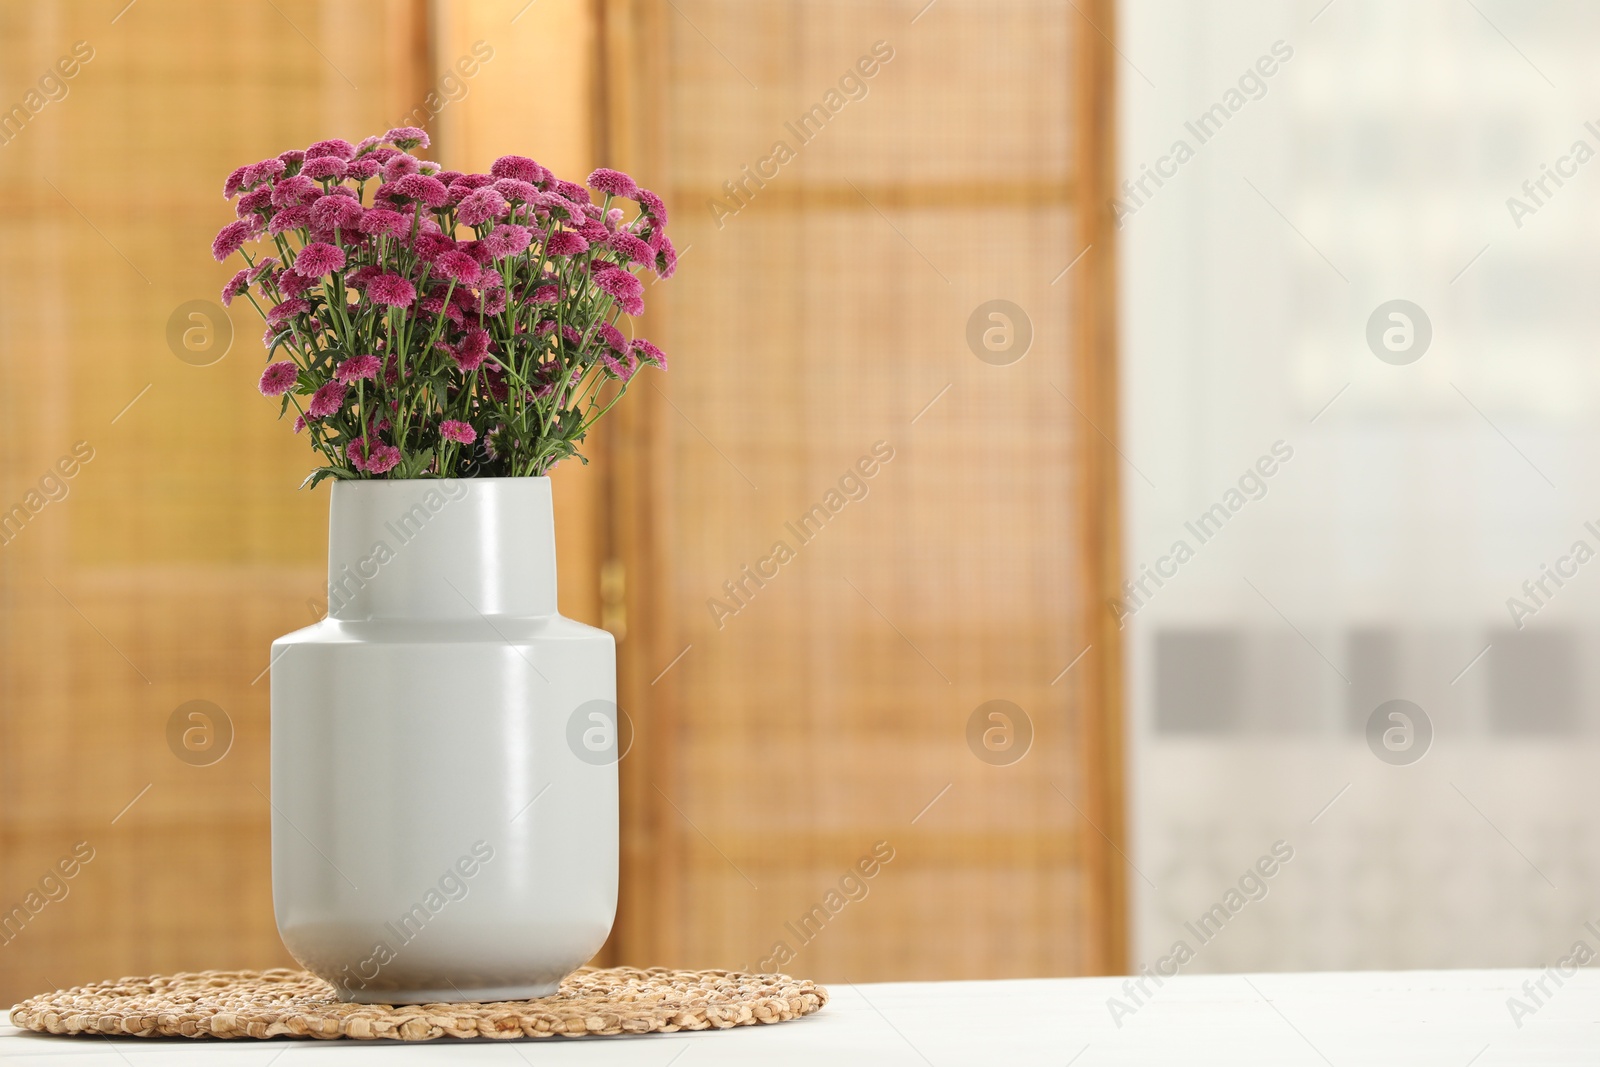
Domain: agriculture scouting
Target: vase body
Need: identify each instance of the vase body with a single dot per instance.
(444, 779)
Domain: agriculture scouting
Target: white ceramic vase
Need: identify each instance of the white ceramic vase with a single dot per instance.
(444, 779)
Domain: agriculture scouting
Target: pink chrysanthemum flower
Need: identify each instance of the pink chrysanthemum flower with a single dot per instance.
(619, 283)
(231, 238)
(433, 301)
(546, 294)
(493, 302)
(521, 168)
(384, 458)
(612, 337)
(480, 206)
(326, 400)
(623, 366)
(566, 243)
(654, 207)
(292, 283)
(299, 423)
(236, 285)
(554, 206)
(458, 431)
(362, 169)
(380, 459)
(318, 259)
(430, 246)
(666, 258)
(266, 170)
(357, 368)
(482, 254)
(337, 212)
(464, 186)
(401, 166)
(611, 181)
(257, 200)
(569, 333)
(574, 192)
(297, 217)
(472, 350)
(295, 190)
(234, 182)
(279, 378)
(289, 308)
(262, 267)
(510, 240)
(362, 277)
(391, 290)
(517, 192)
(381, 220)
(632, 248)
(631, 305)
(650, 353)
(332, 149)
(323, 168)
(430, 191)
(594, 231)
(407, 137)
(458, 267)
(292, 158)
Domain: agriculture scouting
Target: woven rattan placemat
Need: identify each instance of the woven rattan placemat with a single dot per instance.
(262, 1004)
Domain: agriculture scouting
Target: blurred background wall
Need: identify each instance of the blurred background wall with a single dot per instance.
(919, 286)
(1393, 152)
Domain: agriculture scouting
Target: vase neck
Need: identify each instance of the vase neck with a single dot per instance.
(441, 549)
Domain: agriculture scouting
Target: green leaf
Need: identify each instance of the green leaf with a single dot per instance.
(317, 476)
(413, 465)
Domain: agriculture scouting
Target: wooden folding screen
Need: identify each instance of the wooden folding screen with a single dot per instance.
(851, 515)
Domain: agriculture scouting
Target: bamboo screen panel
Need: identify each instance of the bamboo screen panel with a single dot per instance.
(811, 721)
(165, 565)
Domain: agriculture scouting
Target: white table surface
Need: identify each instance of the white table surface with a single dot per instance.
(1410, 1018)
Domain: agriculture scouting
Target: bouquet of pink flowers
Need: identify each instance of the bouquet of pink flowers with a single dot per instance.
(450, 325)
